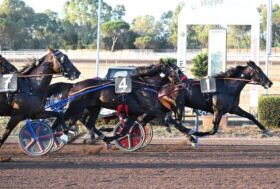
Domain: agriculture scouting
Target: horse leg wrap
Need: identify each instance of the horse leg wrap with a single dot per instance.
(266, 133)
(191, 132)
(64, 138)
(102, 137)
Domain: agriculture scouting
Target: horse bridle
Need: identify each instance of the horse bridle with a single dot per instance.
(60, 57)
(177, 69)
(256, 72)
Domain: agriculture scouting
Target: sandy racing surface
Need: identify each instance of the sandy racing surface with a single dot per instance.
(217, 163)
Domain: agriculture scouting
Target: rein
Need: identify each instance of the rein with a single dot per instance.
(40, 75)
(182, 87)
(239, 79)
(144, 83)
(198, 83)
(90, 87)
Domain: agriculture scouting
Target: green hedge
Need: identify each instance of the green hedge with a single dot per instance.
(269, 110)
(200, 65)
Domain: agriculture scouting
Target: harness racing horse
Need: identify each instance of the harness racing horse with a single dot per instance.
(142, 100)
(225, 100)
(30, 98)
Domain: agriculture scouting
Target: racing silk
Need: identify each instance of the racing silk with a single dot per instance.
(184, 77)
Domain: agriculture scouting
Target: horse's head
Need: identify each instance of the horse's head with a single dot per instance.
(62, 64)
(6, 67)
(257, 75)
(158, 74)
(170, 72)
(173, 65)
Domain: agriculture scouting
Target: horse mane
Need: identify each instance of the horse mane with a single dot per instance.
(143, 71)
(232, 72)
(6, 64)
(29, 67)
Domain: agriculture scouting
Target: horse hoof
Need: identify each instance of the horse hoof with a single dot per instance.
(193, 141)
(108, 146)
(194, 144)
(168, 129)
(266, 133)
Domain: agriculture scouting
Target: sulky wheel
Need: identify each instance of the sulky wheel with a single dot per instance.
(57, 143)
(131, 141)
(148, 135)
(36, 138)
(57, 132)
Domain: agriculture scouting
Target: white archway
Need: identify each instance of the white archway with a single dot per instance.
(219, 12)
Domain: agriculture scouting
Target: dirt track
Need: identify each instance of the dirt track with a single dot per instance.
(216, 164)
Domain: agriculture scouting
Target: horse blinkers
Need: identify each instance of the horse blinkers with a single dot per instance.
(66, 67)
(257, 75)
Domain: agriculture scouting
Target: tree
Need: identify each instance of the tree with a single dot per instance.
(4, 34)
(127, 40)
(118, 12)
(147, 28)
(143, 42)
(174, 25)
(69, 35)
(83, 14)
(239, 36)
(114, 29)
(47, 30)
(275, 25)
(144, 25)
(17, 20)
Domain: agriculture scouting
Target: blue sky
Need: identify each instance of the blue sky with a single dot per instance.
(134, 8)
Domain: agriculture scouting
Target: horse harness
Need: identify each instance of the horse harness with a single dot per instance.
(24, 88)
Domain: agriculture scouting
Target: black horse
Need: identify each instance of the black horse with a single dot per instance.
(33, 80)
(225, 100)
(143, 100)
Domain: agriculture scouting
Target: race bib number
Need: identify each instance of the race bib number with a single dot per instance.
(8, 83)
(123, 85)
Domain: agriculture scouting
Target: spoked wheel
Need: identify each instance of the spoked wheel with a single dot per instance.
(149, 135)
(58, 131)
(36, 138)
(131, 141)
(58, 143)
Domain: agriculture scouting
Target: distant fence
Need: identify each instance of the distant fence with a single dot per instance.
(128, 55)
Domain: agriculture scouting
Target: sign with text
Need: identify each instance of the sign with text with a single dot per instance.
(217, 51)
(8, 83)
(123, 85)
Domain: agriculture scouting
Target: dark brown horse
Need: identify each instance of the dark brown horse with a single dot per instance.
(30, 98)
(224, 100)
(143, 100)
